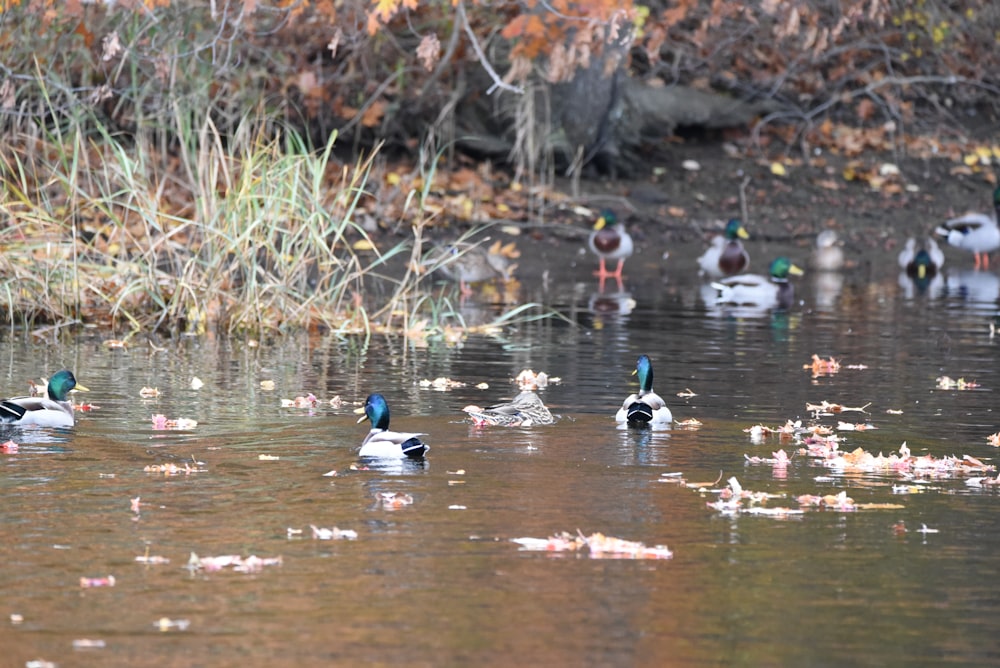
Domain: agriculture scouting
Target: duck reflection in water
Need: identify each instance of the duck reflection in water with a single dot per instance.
(920, 269)
(977, 290)
(827, 261)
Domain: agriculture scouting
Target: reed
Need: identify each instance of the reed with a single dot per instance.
(250, 232)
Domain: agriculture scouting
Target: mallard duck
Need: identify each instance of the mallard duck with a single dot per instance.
(772, 291)
(610, 241)
(380, 443)
(828, 255)
(524, 410)
(975, 232)
(472, 263)
(922, 263)
(645, 407)
(53, 410)
(725, 255)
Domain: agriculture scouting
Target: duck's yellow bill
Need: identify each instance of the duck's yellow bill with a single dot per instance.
(80, 388)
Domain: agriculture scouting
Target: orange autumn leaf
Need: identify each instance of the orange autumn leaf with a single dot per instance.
(372, 116)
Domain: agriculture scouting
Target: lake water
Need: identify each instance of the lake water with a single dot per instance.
(439, 582)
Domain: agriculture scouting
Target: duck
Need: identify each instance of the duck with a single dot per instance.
(646, 406)
(772, 291)
(524, 410)
(923, 263)
(725, 255)
(610, 241)
(53, 410)
(473, 263)
(380, 443)
(828, 255)
(974, 232)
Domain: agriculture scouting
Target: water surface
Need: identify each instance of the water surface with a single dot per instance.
(438, 582)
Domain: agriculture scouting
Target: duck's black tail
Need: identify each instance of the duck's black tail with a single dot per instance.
(639, 413)
(414, 448)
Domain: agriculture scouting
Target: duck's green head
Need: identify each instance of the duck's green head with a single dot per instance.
(782, 267)
(607, 219)
(376, 411)
(61, 384)
(644, 368)
(735, 230)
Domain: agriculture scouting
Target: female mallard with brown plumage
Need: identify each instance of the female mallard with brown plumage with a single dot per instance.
(524, 410)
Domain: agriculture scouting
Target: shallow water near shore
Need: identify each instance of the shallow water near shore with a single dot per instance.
(904, 580)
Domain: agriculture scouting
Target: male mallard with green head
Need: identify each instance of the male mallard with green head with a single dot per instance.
(645, 406)
(610, 241)
(725, 255)
(772, 291)
(53, 410)
(381, 443)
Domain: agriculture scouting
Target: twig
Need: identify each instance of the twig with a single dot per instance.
(744, 209)
(497, 81)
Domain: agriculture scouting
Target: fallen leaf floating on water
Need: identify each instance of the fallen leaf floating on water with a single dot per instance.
(165, 624)
(441, 384)
(596, 546)
(894, 411)
(308, 401)
(690, 423)
(162, 422)
(170, 468)
(686, 394)
(779, 458)
(839, 501)
(267, 385)
(992, 439)
(734, 499)
(787, 430)
(320, 533)
(946, 383)
(393, 500)
(9, 448)
(822, 367)
(902, 463)
(151, 559)
(529, 380)
(827, 408)
(85, 407)
(251, 564)
(108, 581)
(89, 643)
(149, 392)
(855, 426)
(196, 383)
